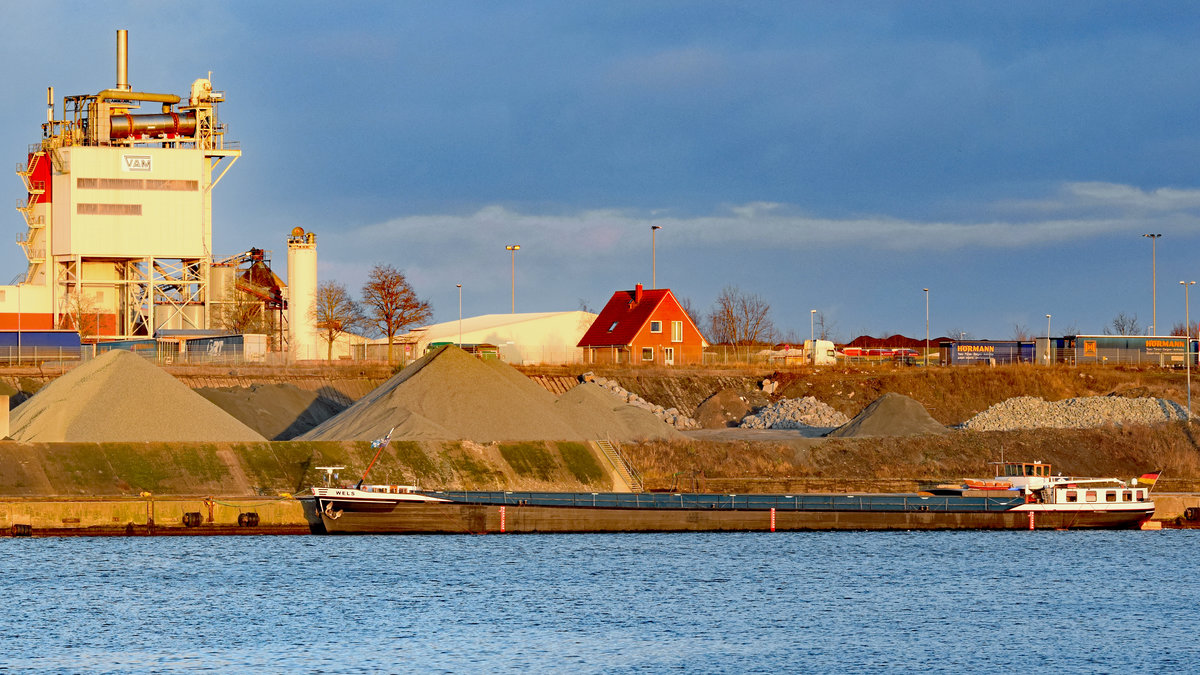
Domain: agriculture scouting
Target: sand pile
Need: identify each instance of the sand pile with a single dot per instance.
(279, 412)
(891, 415)
(449, 395)
(596, 413)
(122, 397)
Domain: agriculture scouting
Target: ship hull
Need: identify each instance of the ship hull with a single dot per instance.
(880, 513)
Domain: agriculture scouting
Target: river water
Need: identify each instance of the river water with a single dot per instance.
(711, 602)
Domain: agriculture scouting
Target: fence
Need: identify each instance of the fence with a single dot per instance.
(18, 356)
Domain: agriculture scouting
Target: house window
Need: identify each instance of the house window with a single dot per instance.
(1072, 496)
(676, 331)
(1110, 495)
(1089, 496)
(647, 353)
(613, 326)
(655, 326)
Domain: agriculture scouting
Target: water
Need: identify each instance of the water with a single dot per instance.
(714, 603)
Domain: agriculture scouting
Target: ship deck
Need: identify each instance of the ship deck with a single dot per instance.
(989, 501)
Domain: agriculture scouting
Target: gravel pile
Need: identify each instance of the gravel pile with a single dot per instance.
(1029, 412)
(595, 412)
(891, 415)
(795, 413)
(117, 397)
(451, 395)
(670, 416)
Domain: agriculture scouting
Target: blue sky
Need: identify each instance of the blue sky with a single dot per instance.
(830, 156)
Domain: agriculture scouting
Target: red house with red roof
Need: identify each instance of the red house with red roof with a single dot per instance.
(643, 327)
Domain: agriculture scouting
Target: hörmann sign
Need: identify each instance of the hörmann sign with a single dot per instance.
(1164, 346)
(978, 349)
(135, 163)
(984, 351)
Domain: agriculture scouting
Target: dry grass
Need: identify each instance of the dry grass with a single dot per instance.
(1121, 452)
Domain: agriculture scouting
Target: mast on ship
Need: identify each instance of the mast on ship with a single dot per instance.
(379, 444)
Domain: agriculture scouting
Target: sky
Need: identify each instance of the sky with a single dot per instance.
(832, 156)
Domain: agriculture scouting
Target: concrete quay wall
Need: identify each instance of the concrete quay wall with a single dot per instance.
(157, 515)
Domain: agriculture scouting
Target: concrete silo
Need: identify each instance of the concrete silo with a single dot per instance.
(302, 294)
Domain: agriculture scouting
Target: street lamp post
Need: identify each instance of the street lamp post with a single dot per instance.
(654, 256)
(513, 248)
(926, 327)
(1047, 339)
(459, 315)
(1153, 282)
(812, 330)
(1187, 321)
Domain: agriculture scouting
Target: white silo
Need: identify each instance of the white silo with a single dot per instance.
(302, 293)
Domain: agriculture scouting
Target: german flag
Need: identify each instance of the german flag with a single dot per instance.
(1149, 478)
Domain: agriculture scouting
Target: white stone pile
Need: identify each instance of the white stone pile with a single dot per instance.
(670, 416)
(1030, 412)
(795, 413)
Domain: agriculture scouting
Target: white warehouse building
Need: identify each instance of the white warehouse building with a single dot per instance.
(530, 338)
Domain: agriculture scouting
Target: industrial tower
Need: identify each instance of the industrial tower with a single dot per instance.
(118, 212)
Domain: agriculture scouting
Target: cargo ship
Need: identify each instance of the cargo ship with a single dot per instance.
(1032, 500)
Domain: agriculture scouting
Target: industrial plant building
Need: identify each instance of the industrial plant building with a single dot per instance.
(118, 226)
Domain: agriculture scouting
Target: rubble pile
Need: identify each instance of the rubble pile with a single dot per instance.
(795, 413)
(1030, 412)
(670, 416)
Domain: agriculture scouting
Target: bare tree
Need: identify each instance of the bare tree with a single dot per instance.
(392, 304)
(686, 305)
(960, 334)
(1123, 324)
(1021, 333)
(741, 319)
(1180, 329)
(334, 312)
(82, 313)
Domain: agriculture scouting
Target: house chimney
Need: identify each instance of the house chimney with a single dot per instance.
(637, 293)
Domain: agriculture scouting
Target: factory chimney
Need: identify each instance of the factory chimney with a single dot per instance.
(123, 60)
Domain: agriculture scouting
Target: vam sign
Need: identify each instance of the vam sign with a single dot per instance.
(135, 163)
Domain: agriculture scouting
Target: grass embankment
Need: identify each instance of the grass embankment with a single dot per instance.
(952, 395)
(892, 462)
(29, 470)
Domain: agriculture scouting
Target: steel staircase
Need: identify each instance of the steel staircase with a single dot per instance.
(624, 469)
